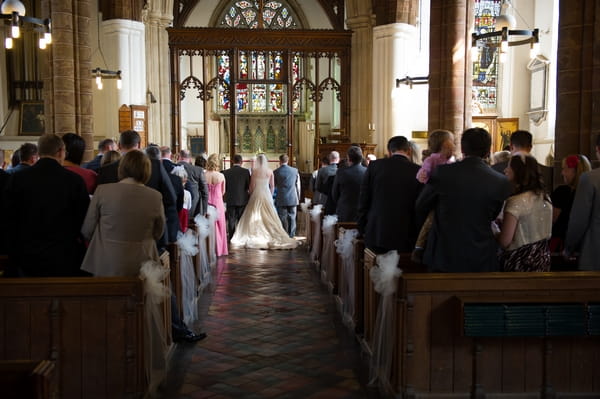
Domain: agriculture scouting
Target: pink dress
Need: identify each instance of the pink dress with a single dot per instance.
(215, 198)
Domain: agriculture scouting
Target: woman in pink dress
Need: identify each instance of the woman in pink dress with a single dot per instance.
(215, 181)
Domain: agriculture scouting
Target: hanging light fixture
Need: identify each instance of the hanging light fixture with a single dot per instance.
(13, 12)
(100, 74)
(504, 36)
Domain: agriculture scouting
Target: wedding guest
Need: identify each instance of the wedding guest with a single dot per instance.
(440, 152)
(573, 166)
(526, 225)
(110, 157)
(521, 141)
(346, 186)
(123, 237)
(323, 175)
(196, 184)
(215, 181)
(75, 147)
(129, 140)
(44, 211)
(104, 146)
(237, 183)
(414, 152)
(466, 196)
(387, 198)
(27, 156)
(583, 233)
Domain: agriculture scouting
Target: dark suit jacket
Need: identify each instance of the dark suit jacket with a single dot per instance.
(94, 164)
(237, 182)
(546, 172)
(46, 205)
(159, 180)
(346, 190)
(176, 182)
(386, 206)
(466, 196)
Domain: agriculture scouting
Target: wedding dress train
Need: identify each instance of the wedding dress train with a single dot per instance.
(259, 226)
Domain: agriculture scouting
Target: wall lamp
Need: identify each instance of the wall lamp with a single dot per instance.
(100, 74)
(410, 81)
(13, 14)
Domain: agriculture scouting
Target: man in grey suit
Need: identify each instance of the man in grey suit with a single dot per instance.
(583, 233)
(346, 186)
(287, 184)
(237, 183)
(466, 196)
(323, 176)
(196, 184)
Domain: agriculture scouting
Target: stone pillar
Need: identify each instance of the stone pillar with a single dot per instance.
(122, 42)
(449, 66)
(67, 82)
(395, 55)
(360, 20)
(157, 16)
(578, 80)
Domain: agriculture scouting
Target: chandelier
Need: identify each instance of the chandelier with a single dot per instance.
(13, 13)
(504, 36)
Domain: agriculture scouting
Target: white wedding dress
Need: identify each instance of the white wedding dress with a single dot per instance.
(259, 226)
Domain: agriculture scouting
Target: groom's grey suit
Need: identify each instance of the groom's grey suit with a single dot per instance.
(287, 184)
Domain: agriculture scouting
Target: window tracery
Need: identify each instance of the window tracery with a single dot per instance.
(259, 14)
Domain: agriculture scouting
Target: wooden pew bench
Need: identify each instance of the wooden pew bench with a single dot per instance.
(91, 328)
(500, 335)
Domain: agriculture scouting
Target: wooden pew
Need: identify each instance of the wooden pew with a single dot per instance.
(452, 342)
(23, 379)
(337, 280)
(90, 328)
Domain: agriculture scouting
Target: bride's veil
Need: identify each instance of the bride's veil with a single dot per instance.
(261, 164)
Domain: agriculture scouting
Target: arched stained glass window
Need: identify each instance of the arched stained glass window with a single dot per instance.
(261, 14)
(485, 66)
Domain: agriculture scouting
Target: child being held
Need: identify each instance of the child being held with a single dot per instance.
(441, 151)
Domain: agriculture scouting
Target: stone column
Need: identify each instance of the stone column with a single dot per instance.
(449, 66)
(361, 21)
(122, 42)
(157, 16)
(395, 55)
(67, 82)
(578, 80)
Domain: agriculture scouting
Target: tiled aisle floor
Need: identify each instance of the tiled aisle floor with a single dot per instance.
(273, 332)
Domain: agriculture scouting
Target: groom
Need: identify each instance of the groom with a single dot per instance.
(287, 184)
(237, 182)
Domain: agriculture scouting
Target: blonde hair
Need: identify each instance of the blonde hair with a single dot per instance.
(437, 138)
(212, 163)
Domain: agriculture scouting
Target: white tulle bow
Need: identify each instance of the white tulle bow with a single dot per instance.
(384, 277)
(344, 244)
(315, 213)
(212, 213)
(188, 243)
(203, 225)
(329, 222)
(153, 274)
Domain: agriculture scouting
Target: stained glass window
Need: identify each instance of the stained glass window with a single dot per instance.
(270, 96)
(251, 15)
(485, 67)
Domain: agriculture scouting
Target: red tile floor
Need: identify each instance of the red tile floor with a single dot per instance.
(273, 332)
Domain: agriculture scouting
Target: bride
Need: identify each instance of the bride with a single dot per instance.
(259, 226)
